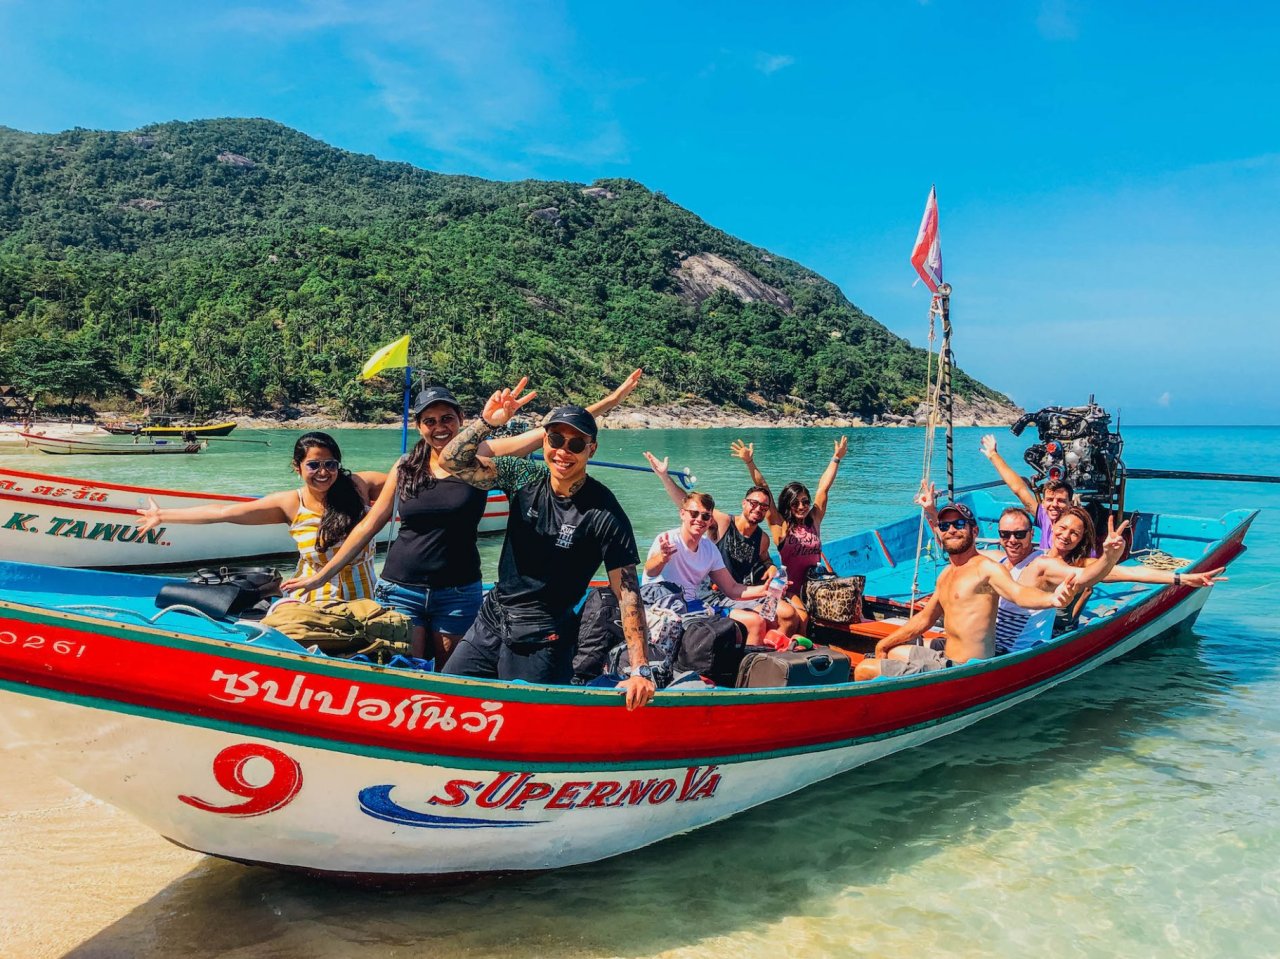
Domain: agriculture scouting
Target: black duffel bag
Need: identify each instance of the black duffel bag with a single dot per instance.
(225, 593)
(712, 646)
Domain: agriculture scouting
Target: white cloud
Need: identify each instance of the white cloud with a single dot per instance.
(1165, 398)
(770, 63)
(490, 90)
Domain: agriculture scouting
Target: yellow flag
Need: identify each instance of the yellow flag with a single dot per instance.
(390, 357)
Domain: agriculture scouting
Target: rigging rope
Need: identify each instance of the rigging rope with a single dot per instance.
(932, 395)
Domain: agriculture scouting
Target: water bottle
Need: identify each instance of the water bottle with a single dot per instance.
(769, 605)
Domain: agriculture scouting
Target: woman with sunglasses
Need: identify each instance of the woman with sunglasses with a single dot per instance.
(432, 569)
(796, 522)
(320, 515)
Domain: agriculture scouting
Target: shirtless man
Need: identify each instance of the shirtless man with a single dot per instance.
(967, 592)
(1054, 498)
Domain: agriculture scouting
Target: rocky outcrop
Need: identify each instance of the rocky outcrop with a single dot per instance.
(142, 203)
(700, 275)
(236, 160)
(974, 411)
(599, 193)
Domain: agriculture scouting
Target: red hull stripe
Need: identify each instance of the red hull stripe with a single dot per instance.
(167, 675)
(98, 484)
(69, 504)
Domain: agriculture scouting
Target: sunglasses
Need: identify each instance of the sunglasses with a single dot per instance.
(428, 421)
(1018, 534)
(315, 466)
(946, 524)
(757, 503)
(699, 514)
(574, 444)
(802, 502)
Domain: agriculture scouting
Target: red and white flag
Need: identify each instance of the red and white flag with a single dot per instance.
(926, 257)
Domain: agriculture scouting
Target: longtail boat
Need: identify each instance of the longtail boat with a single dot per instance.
(66, 445)
(170, 429)
(234, 741)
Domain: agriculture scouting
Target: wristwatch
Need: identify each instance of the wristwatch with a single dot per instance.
(644, 672)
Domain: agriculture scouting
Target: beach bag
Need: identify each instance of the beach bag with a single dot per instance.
(599, 632)
(712, 646)
(835, 599)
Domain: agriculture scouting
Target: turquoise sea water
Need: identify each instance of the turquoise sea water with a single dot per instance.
(1132, 812)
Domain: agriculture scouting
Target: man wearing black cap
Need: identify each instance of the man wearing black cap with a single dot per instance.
(563, 524)
(967, 592)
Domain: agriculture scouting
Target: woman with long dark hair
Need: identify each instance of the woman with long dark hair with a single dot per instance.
(796, 521)
(321, 514)
(432, 570)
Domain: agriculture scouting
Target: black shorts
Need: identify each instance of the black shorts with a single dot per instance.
(489, 651)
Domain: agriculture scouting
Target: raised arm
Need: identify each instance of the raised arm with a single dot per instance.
(659, 467)
(827, 479)
(1165, 577)
(747, 453)
(1112, 549)
(461, 456)
(660, 554)
(1017, 485)
(359, 537)
(274, 508)
(626, 587)
(530, 440)
(927, 500)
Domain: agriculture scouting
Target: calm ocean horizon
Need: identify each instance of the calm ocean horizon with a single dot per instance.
(1133, 811)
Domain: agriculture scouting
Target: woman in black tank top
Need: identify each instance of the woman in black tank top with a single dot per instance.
(432, 570)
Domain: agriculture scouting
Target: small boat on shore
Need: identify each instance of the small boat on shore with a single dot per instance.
(66, 445)
(232, 740)
(170, 429)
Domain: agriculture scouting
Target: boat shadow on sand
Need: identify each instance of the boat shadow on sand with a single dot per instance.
(805, 855)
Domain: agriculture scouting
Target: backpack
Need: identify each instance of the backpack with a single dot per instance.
(339, 628)
(712, 646)
(599, 632)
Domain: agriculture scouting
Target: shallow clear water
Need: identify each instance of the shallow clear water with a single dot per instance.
(1134, 811)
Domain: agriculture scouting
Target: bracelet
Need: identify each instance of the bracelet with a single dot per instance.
(1177, 579)
(836, 460)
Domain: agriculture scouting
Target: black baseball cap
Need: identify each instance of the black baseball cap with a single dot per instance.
(960, 508)
(575, 416)
(435, 394)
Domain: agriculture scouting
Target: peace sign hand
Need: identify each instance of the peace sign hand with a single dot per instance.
(504, 404)
(927, 498)
(1114, 544)
(842, 447)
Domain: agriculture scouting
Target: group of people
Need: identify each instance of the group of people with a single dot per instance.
(563, 525)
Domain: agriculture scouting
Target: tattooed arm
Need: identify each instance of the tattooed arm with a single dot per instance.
(460, 456)
(626, 587)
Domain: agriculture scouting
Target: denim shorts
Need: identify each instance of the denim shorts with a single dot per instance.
(450, 609)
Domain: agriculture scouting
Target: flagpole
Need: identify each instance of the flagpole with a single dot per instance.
(944, 394)
(404, 448)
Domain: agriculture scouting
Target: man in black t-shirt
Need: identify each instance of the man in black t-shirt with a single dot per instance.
(561, 526)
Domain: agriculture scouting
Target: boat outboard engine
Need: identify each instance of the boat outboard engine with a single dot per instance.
(1078, 445)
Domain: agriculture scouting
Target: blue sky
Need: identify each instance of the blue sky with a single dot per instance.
(1108, 173)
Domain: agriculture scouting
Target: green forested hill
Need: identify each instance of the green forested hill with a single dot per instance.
(238, 263)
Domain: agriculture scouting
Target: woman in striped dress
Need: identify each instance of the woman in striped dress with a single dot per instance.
(320, 514)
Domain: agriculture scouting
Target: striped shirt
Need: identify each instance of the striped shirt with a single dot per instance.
(1017, 627)
(353, 581)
